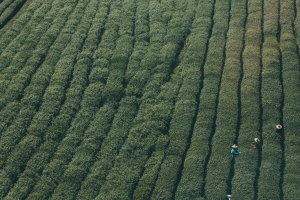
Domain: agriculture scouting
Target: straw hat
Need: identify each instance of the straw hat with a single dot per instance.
(278, 126)
(256, 140)
(234, 146)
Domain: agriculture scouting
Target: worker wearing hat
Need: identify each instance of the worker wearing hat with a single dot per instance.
(256, 143)
(234, 150)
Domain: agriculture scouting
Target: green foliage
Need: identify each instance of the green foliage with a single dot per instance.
(113, 90)
(25, 57)
(167, 178)
(245, 170)
(269, 179)
(142, 99)
(135, 86)
(219, 165)
(32, 14)
(78, 168)
(111, 145)
(290, 76)
(7, 115)
(52, 100)
(99, 74)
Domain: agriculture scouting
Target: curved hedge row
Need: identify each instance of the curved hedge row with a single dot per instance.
(91, 102)
(139, 137)
(40, 39)
(104, 159)
(269, 186)
(142, 99)
(9, 9)
(52, 100)
(219, 167)
(192, 180)
(246, 168)
(59, 126)
(4, 4)
(289, 23)
(12, 40)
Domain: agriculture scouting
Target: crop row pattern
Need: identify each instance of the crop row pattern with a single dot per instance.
(289, 24)
(246, 168)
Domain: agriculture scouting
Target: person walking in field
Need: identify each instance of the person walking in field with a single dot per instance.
(256, 143)
(234, 150)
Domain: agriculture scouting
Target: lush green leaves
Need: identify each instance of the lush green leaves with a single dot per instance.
(142, 99)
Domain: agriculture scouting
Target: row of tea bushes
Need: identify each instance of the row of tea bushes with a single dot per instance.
(7, 114)
(114, 88)
(246, 167)
(53, 98)
(57, 130)
(135, 74)
(139, 73)
(151, 121)
(291, 84)
(19, 30)
(193, 173)
(19, 81)
(8, 8)
(269, 180)
(4, 4)
(134, 70)
(79, 165)
(32, 97)
(105, 157)
(13, 40)
(219, 167)
(92, 100)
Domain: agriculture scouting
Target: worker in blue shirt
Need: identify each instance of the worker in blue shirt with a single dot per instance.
(234, 150)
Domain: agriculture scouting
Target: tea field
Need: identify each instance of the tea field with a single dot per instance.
(143, 99)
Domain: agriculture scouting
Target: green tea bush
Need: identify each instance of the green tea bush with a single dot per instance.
(110, 147)
(134, 63)
(19, 81)
(167, 178)
(33, 13)
(4, 4)
(218, 167)
(114, 89)
(147, 181)
(7, 115)
(34, 91)
(89, 105)
(83, 158)
(181, 123)
(9, 11)
(290, 81)
(269, 177)
(52, 100)
(27, 40)
(245, 170)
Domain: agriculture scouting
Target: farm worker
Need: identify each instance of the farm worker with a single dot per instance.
(278, 128)
(234, 150)
(256, 143)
